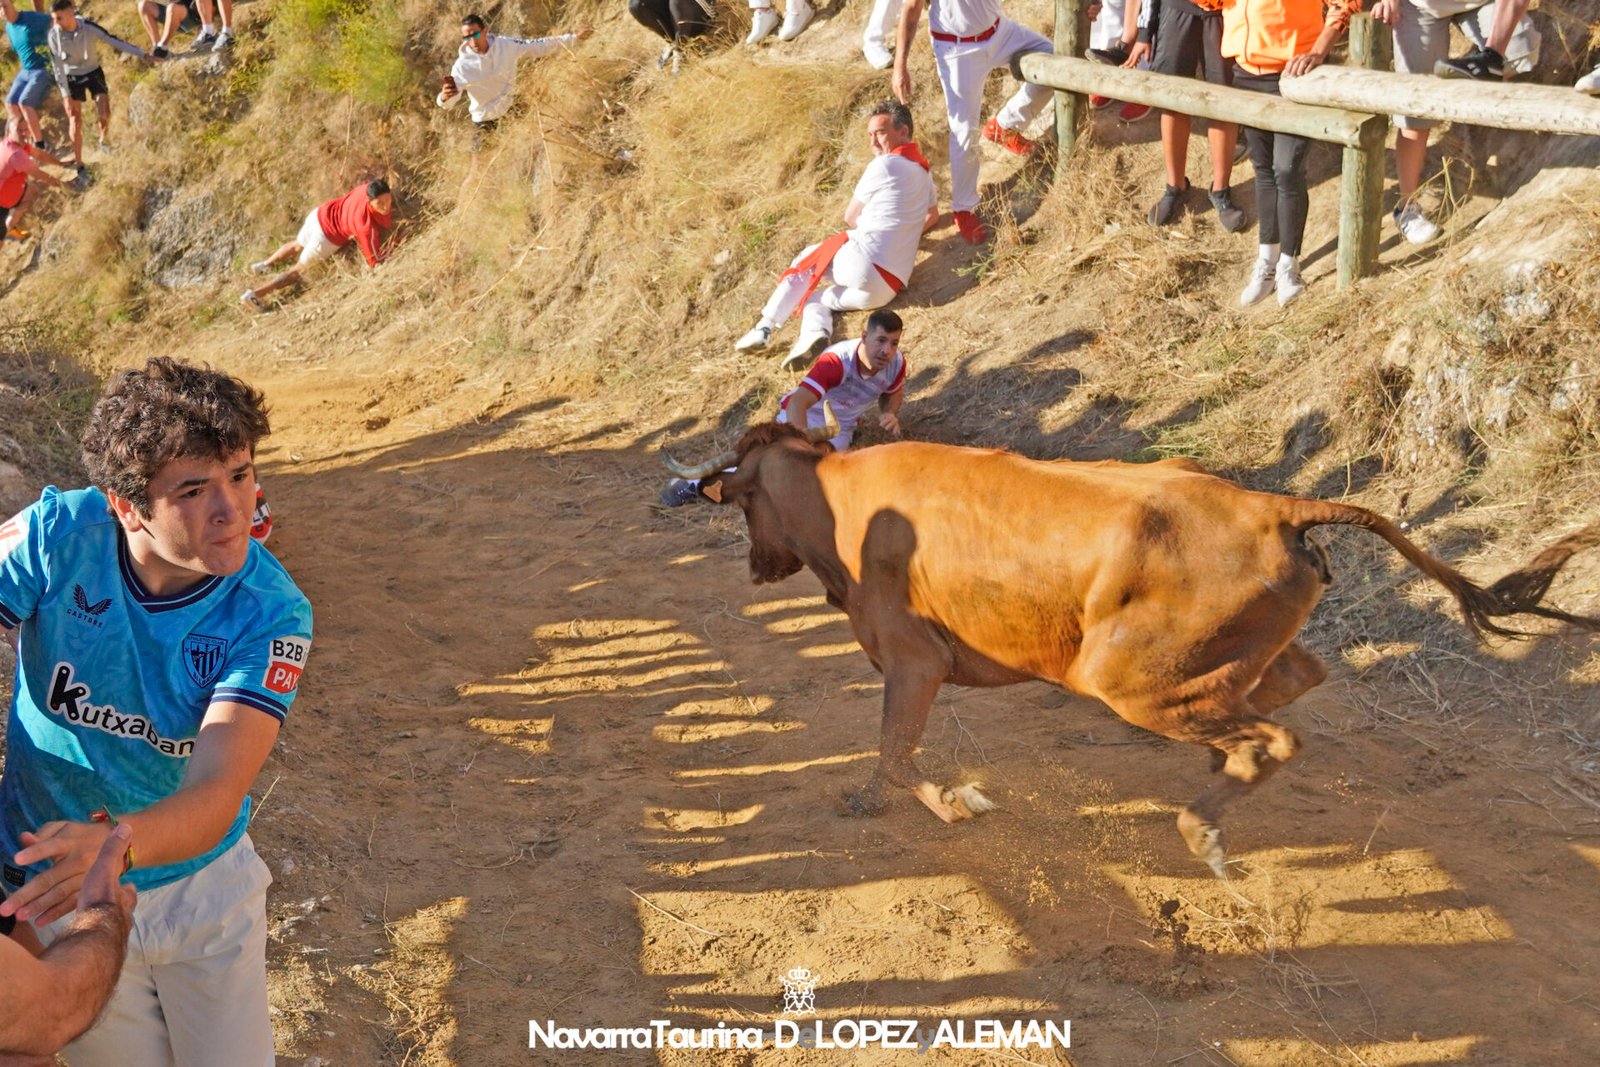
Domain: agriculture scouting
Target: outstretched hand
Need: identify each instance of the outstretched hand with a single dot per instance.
(900, 81)
(72, 849)
(585, 32)
(447, 88)
(103, 885)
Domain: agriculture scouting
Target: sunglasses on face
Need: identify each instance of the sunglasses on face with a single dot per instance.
(473, 36)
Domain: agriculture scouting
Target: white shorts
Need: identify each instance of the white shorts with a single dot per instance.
(314, 244)
(193, 988)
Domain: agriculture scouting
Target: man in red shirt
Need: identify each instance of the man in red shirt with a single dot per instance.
(361, 215)
(19, 161)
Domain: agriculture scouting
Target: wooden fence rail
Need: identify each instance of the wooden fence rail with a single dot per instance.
(1343, 105)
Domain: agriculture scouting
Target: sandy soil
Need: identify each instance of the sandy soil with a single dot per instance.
(556, 758)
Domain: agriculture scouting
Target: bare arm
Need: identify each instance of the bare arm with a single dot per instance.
(799, 406)
(890, 418)
(233, 743)
(54, 998)
(910, 15)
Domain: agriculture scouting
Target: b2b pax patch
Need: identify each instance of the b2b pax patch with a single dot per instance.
(287, 661)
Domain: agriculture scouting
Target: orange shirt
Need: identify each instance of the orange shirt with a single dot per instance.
(1263, 35)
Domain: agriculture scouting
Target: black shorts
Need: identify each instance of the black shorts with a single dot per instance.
(1189, 43)
(481, 132)
(82, 86)
(191, 17)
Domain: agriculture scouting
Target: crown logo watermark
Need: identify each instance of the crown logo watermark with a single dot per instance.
(799, 992)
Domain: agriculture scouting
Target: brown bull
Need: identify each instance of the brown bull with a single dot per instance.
(1172, 595)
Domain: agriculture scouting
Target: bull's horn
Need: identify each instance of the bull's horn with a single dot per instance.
(700, 470)
(828, 430)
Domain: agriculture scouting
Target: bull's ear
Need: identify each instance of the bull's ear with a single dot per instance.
(711, 488)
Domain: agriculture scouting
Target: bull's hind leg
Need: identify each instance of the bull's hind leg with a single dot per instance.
(1254, 748)
(1295, 671)
(908, 694)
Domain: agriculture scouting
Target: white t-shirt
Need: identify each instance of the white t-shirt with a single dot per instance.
(896, 194)
(963, 18)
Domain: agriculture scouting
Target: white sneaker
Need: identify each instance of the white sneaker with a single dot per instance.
(105, 147)
(205, 39)
(1262, 281)
(1589, 83)
(260, 268)
(1417, 227)
(796, 17)
(757, 338)
(805, 351)
(762, 22)
(224, 41)
(249, 299)
(1290, 284)
(877, 54)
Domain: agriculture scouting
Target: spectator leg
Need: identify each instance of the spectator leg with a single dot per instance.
(786, 296)
(1029, 101)
(962, 70)
(654, 16)
(1289, 175)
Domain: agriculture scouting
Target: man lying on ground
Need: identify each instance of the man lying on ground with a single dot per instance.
(852, 376)
(361, 215)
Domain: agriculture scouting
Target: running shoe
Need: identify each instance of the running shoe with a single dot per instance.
(1480, 64)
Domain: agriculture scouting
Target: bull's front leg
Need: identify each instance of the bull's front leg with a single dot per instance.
(908, 694)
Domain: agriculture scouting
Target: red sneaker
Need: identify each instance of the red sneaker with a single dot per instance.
(972, 231)
(1010, 140)
(1133, 112)
(1099, 103)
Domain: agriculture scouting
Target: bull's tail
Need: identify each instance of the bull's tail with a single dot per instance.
(1518, 593)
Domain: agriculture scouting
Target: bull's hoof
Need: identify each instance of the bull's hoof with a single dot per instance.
(953, 805)
(1204, 840)
(863, 803)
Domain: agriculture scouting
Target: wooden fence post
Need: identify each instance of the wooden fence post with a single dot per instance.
(1071, 27)
(1361, 187)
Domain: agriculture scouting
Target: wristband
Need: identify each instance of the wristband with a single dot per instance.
(104, 815)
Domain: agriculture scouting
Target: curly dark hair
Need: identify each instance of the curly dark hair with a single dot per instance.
(169, 410)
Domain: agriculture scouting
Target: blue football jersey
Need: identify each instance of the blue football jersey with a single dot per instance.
(112, 682)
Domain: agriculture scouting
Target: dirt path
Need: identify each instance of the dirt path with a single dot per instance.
(557, 759)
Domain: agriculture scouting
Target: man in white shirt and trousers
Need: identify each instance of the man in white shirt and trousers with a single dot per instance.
(485, 71)
(971, 38)
(863, 267)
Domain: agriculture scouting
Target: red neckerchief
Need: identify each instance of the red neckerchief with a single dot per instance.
(911, 152)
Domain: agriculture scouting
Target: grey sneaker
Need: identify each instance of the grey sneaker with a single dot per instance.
(805, 352)
(249, 299)
(205, 39)
(223, 42)
(1414, 225)
(678, 492)
(1230, 216)
(1170, 206)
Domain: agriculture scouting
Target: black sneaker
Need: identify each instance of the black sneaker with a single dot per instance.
(160, 52)
(1170, 206)
(1480, 64)
(1114, 56)
(678, 492)
(1230, 216)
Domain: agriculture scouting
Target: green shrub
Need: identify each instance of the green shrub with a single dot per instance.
(350, 48)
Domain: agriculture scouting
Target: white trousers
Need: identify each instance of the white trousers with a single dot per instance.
(851, 283)
(882, 23)
(962, 70)
(193, 988)
(1106, 30)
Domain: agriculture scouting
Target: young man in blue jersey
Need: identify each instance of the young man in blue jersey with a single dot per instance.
(159, 649)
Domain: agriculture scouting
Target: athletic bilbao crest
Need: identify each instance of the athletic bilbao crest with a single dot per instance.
(202, 657)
